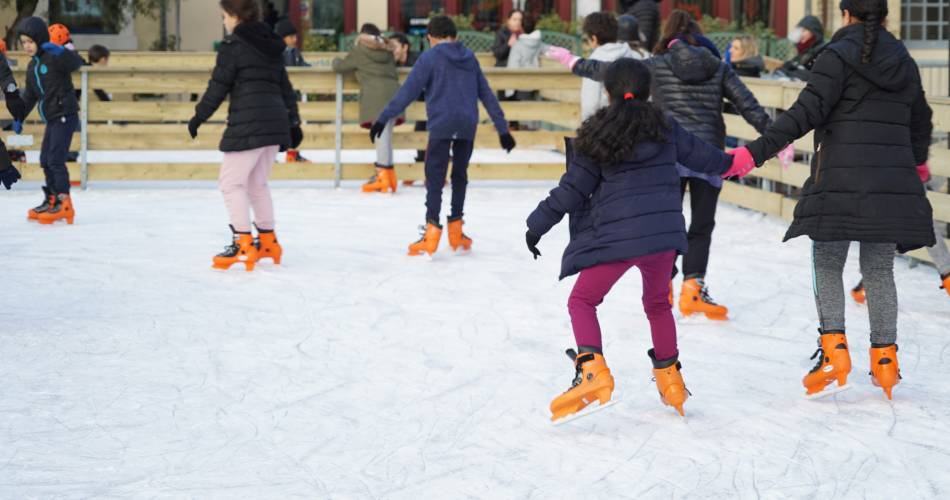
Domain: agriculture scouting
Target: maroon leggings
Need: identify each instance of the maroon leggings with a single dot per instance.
(594, 283)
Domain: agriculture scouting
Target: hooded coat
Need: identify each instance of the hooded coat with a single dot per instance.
(263, 105)
(453, 83)
(690, 83)
(592, 91)
(799, 67)
(375, 69)
(49, 84)
(872, 127)
(630, 209)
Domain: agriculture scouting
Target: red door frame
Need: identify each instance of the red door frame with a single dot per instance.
(349, 16)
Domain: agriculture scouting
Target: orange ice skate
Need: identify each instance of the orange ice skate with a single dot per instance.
(458, 239)
(669, 381)
(857, 293)
(384, 180)
(429, 243)
(694, 298)
(61, 209)
(241, 249)
(885, 371)
(834, 364)
(592, 382)
(267, 246)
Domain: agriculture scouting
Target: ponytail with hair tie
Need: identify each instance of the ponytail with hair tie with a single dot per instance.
(628, 96)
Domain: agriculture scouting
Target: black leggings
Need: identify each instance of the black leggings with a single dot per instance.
(703, 198)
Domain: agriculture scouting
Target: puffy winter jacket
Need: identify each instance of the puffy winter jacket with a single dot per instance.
(872, 127)
(689, 83)
(647, 13)
(263, 107)
(630, 209)
(49, 84)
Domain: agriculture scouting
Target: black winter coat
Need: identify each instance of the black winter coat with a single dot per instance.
(263, 106)
(872, 127)
(647, 13)
(630, 209)
(49, 84)
(689, 83)
(500, 48)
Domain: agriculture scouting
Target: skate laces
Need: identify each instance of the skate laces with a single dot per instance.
(704, 292)
(820, 354)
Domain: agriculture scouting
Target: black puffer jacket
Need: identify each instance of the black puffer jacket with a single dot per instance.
(872, 127)
(49, 84)
(647, 13)
(263, 106)
(689, 83)
(500, 48)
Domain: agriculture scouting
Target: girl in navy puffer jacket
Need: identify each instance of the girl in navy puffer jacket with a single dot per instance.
(621, 190)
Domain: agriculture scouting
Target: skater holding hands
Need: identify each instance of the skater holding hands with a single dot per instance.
(621, 190)
(262, 118)
(453, 83)
(873, 127)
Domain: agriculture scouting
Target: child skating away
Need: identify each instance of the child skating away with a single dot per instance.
(262, 118)
(621, 190)
(375, 67)
(872, 126)
(49, 88)
(453, 83)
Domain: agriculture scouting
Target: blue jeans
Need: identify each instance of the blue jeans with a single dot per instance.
(56, 140)
(437, 166)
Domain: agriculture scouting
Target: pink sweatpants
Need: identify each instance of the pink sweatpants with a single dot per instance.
(243, 182)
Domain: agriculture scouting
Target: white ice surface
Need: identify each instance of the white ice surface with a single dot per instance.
(130, 368)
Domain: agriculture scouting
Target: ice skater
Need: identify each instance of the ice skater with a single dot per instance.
(872, 126)
(9, 174)
(262, 118)
(621, 190)
(49, 87)
(453, 83)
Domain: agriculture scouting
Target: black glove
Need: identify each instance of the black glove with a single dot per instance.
(507, 141)
(532, 240)
(9, 176)
(376, 131)
(16, 106)
(296, 136)
(193, 125)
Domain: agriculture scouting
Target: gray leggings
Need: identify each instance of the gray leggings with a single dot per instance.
(384, 146)
(877, 270)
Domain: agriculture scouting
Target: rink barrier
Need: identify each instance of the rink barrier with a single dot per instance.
(159, 124)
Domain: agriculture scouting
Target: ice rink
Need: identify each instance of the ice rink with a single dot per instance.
(128, 368)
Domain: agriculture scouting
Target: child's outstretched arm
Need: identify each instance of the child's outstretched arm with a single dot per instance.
(487, 96)
(575, 186)
(413, 87)
(811, 109)
(696, 154)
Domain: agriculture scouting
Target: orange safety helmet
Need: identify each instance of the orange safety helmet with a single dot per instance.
(59, 34)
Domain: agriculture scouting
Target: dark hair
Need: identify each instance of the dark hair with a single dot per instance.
(872, 13)
(245, 10)
(442, 27)
(98, 53)
(610, 136)
(370, 29)
(680, 24)
(515, 11)
(528, 24)
(603, 25)
(401, 38)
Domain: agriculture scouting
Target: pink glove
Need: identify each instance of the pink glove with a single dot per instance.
(562, 55)
(787, 156)
(923, 171)
(742, 163)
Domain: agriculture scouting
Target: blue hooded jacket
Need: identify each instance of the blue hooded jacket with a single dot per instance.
(630, 209)
(453, 83)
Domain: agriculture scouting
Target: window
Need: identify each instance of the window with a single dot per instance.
(327, 17)
(415, 13)
(925, 20)
(86, 16)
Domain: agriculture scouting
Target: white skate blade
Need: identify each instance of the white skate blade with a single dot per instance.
(590, 409)
(829, 392)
